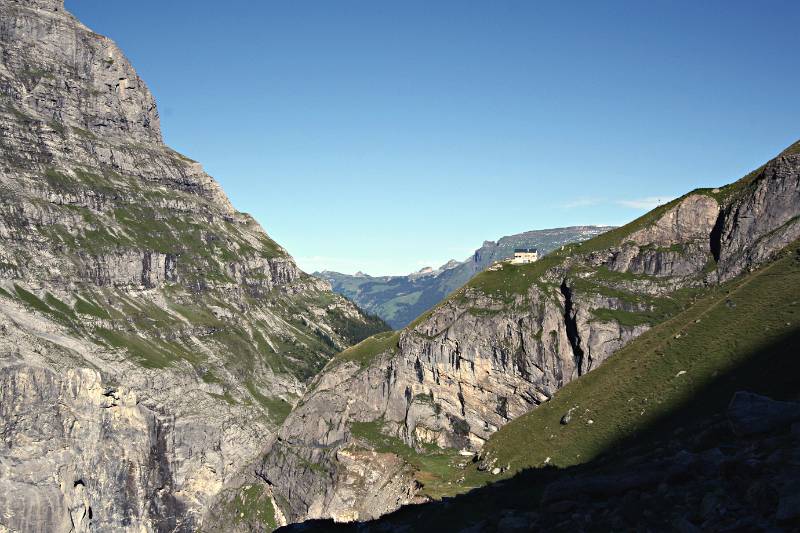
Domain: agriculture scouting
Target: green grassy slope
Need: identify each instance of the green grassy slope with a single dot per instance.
(739, 336)
(706, 342)
(440, 471)
(731, 337)
(364, 352)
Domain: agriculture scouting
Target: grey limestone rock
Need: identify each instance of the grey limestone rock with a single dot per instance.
(152, 338)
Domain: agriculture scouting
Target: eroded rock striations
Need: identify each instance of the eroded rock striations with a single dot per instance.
(509, 339)
(151, 336)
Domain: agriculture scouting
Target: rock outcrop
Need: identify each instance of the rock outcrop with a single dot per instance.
(703, 478)
(762, 220)
(73, 76)
(151, 337)
(750, 414)
(82, 455)
(509, 339)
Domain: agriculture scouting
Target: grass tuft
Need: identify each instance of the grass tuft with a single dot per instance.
(659, 372)
(441, 472)
(367, 350)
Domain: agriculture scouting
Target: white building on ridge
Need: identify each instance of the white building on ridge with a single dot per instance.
(525, 255)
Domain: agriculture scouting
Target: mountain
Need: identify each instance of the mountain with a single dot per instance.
(400, 299)
(661, 437)
(622, 330)
(153, 337)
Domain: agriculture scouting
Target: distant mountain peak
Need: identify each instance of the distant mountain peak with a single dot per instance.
(422, 272)
(400, 299)
(450, 264)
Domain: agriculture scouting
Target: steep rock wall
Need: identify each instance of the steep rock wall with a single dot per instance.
(151, 336)
(763, 220)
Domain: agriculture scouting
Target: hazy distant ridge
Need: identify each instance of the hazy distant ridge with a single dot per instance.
(400, 299)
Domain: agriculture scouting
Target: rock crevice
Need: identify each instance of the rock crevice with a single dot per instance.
(571, 326)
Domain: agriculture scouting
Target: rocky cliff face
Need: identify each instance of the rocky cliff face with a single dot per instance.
(511, 338)
(73, 76)
(760, 220)
(152, 336)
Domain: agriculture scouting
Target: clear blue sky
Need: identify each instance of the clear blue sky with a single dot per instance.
(385, 136)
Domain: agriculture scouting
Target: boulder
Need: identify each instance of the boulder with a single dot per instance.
(750, 413)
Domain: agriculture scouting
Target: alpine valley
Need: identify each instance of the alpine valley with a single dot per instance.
(644, 332)
(400, 299)
(166, 366)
